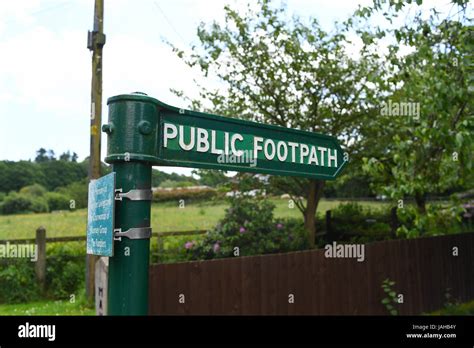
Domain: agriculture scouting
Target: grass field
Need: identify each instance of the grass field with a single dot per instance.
(66, 308)
(165, 217)
(46, 308)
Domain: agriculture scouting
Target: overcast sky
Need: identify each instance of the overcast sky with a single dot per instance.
(45, 66)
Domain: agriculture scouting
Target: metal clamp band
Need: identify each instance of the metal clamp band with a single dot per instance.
(133, 233)
(134, 195)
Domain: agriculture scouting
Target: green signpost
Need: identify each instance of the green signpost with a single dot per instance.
(166, 135)
(142, 132)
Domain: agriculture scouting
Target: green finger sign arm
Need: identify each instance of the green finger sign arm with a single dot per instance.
(166, 135)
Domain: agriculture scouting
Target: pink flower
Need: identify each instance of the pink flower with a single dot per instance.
(279, 226)
(242, 229)
(189, 245)
(216, 247)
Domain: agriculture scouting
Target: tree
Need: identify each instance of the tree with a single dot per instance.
(61, 173)
(41, 156)
(158, 177)
(51, 155)
(429, 151)
(65, 156)
(290, 74)
(211, 177)
(15, 175)
(44, 171)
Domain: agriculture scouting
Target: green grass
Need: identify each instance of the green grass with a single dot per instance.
(456, 309)
(165, 217)
(46, 308)
(66, 308)
(57, 224)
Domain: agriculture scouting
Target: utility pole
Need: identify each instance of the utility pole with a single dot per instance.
(95, 43)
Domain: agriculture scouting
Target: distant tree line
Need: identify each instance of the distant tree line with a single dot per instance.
(46, 171)
(52, 182)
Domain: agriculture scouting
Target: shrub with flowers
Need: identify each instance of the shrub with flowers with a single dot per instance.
(250, 226)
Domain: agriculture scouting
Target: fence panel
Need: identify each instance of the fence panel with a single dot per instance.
(423, 270)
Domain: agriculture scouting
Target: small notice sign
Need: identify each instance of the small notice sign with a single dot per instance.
(100, 216)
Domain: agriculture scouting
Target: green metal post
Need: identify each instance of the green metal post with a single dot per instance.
(128, 268)
(132, 132)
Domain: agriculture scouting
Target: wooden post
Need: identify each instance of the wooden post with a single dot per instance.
(40, 267)
(101, 285)
(393, 221)
(329, 232)
(95, 43)
(161, 246)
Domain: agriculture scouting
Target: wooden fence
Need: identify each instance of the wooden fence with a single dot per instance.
(41, 240)
(424, 271)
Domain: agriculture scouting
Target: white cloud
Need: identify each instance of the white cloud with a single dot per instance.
(133, 64)
(46, 69)
(18, 12)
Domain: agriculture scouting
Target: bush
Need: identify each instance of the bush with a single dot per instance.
(438, 220)
(249, 225)
(57, 201)
(17, 281)
(35, 190)
(466, 308)
(77, 191)
(357, 224)
(172, 184)
(172, 250)
(188, 194)
(64, 275)
(16, 203)
(65, 269)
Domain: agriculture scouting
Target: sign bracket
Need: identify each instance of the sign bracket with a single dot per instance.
(134, 195)
(133, 233)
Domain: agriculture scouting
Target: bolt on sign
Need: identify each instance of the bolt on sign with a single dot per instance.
(193, 139)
